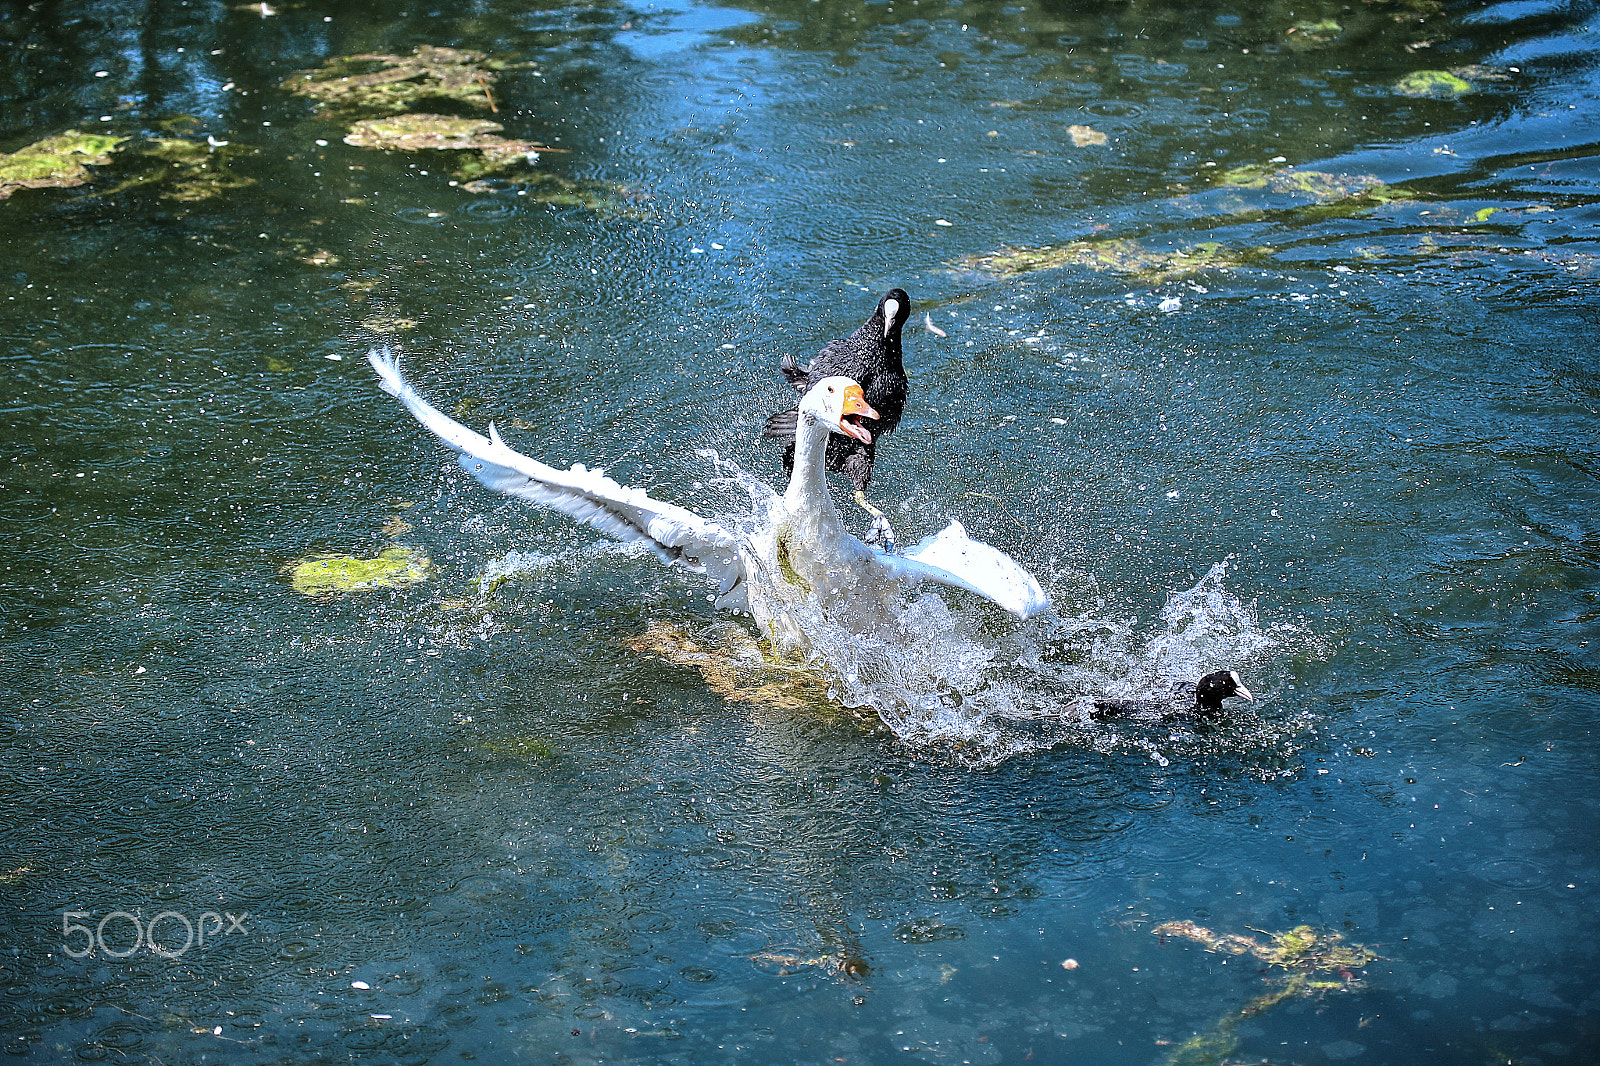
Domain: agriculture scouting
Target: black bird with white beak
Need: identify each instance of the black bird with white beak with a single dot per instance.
(871, 356)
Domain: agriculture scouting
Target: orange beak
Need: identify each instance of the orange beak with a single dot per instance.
(854, 408)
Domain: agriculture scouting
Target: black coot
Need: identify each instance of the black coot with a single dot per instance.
(1203, 698)
(871, 356)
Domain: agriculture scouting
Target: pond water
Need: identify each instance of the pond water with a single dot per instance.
(1260, 333)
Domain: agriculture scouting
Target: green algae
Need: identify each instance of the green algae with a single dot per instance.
(190, 171)
(379, 84)
(422, 132)
(1310, 33)
(1433, 84)
(786, 563)
(1319, 185)
(1330, 196)
(740, 668)
(380, 96)
(329, 575)
(1303, 952)
(1301, 948)
(476, 147)
(187, 170)
(1114, 256)
(389, 323)
(61, 161)
(606, 201)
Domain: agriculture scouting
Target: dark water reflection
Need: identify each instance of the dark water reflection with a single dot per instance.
(493, 830)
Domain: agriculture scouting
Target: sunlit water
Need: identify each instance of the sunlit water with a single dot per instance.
(1353, 457)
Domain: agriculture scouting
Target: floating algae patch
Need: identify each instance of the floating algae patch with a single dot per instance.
(191, 170)
(1115, 256)
(329, 575)
(377, 84)
(1433, 84)
(419, 132)
(388, 323)
(1330, 194)
(738, 668)
(1302, 951)
(58, 162)
(1301, 948)
(1312, 33)
(1086, 137)
(482, 152)
(187, 170)
(1319, 185)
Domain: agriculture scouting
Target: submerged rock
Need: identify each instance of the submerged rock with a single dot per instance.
(329, 575)
(58, 162)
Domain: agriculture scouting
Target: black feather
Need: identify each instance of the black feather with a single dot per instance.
(872, 356)
(793, 372)
(782, 425)
(1203, 699)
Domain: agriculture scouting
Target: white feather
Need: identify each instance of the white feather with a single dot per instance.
(675, 534)
(750, 573)
(950, 557)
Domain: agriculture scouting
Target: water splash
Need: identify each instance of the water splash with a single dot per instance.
(956, 678)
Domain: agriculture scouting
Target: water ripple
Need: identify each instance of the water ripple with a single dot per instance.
(1515, 873)
(489, 209)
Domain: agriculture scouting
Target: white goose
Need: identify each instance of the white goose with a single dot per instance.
(798, 558)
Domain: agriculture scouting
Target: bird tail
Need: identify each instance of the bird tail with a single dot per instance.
(782, 425)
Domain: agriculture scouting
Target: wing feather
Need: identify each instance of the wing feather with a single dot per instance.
(950, 557)
(675, 534)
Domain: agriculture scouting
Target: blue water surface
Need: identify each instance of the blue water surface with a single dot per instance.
(1259, 354)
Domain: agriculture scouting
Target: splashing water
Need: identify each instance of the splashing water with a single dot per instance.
(966, 682)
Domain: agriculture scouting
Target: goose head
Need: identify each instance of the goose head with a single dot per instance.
(839, 404)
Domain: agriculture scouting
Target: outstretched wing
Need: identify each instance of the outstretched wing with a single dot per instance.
(953, 558)
(675, 534)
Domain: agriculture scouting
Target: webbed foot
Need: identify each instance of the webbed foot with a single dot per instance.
(880, 532)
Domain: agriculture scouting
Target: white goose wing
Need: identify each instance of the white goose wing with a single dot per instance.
(950, 557)
(675, 534)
